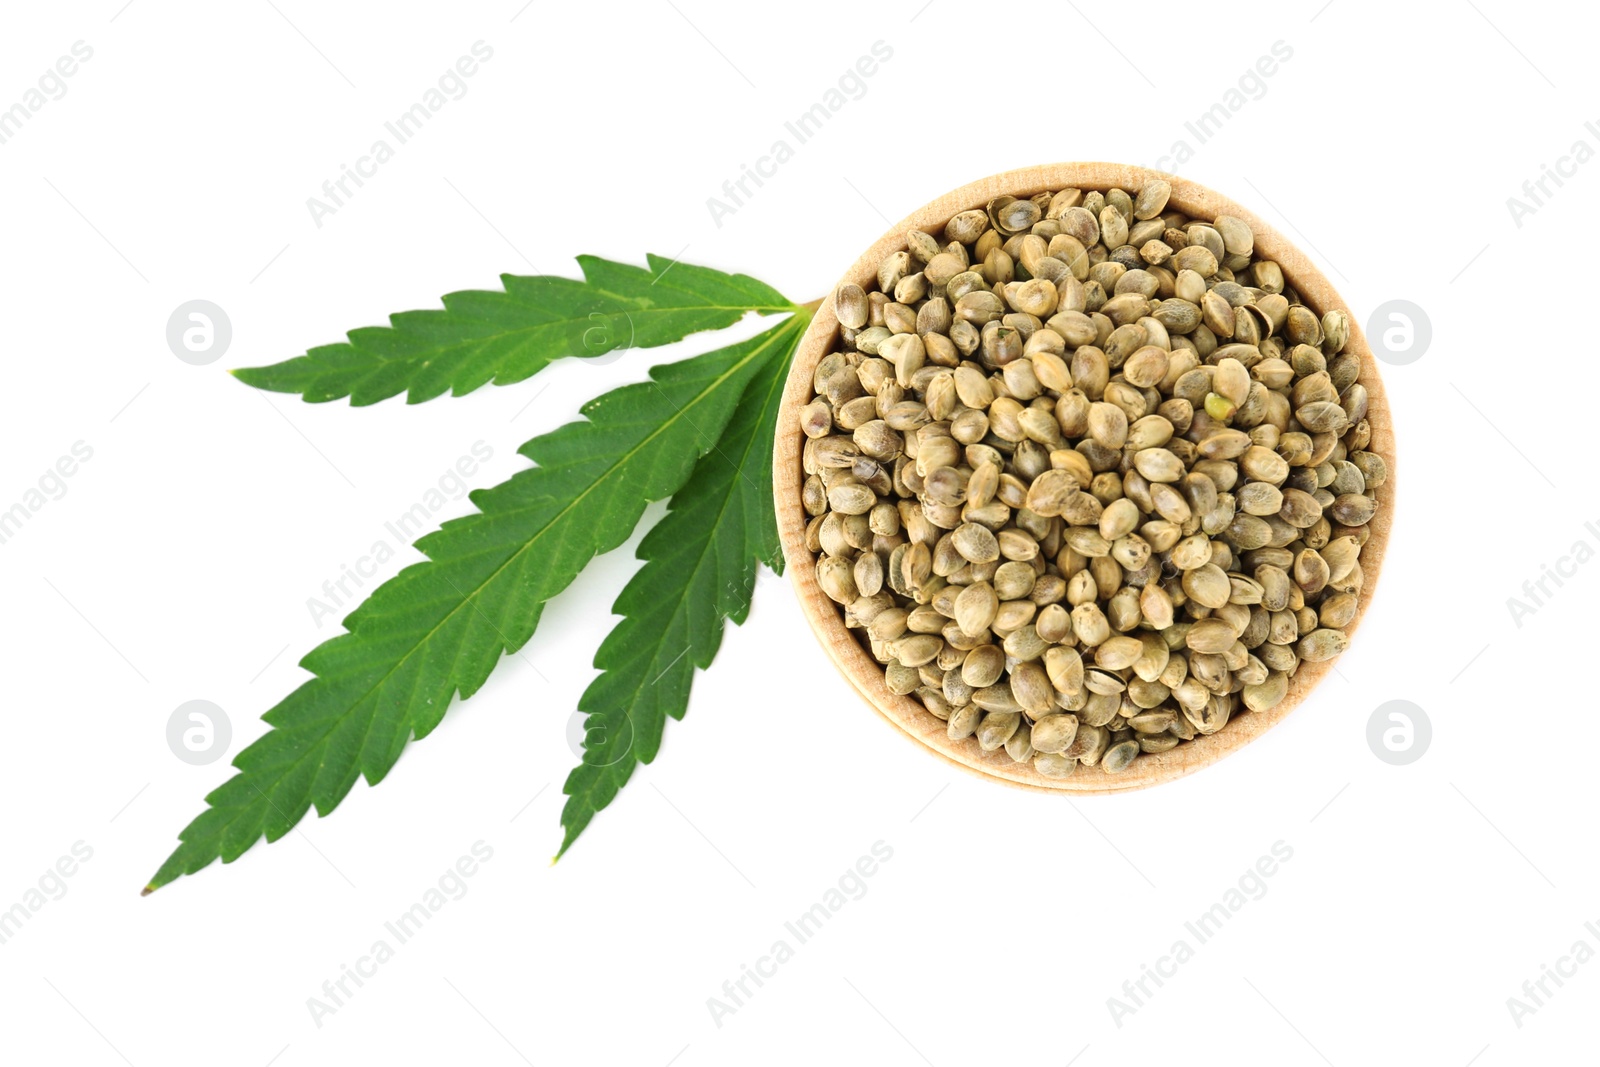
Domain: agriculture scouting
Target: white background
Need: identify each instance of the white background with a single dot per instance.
(179, 562)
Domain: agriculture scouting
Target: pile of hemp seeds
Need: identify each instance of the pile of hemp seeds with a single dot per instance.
(1087, 477)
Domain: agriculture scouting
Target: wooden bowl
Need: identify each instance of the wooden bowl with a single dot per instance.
(849, 653)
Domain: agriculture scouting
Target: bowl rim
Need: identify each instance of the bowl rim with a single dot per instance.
(825, 617)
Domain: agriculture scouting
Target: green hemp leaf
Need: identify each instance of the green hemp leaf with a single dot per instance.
(698, 431)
